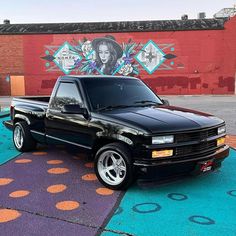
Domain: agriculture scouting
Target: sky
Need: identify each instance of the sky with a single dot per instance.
(63, 11)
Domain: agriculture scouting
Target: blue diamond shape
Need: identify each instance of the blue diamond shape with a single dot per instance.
(150, 57)
(65, 58)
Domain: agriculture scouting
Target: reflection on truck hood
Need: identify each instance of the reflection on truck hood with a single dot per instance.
(164, 118)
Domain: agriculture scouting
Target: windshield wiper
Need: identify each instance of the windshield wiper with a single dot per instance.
(112, 107)
(144, 102)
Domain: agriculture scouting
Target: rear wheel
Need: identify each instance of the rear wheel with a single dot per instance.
(22, 137)
(113, 166)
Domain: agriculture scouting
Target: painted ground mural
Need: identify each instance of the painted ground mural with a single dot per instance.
(105, 56)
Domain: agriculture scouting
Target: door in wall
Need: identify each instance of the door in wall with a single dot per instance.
(17, 85)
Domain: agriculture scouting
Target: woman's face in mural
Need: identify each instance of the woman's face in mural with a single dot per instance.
(104, 53)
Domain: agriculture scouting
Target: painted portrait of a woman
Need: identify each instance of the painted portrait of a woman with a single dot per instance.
(108, 51)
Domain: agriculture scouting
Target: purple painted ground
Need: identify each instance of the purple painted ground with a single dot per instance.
(92, 207)
(29, 224)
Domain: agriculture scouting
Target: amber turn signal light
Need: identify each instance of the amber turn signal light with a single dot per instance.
(220, 141)
(162, 153)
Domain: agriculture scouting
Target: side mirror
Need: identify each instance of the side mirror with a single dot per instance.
(165, 102)
(74, 109)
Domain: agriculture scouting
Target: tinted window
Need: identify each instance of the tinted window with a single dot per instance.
(67, 93)
(115, 91)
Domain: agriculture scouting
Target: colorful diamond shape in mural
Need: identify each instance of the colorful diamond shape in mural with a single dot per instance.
(65, 58)
(150, 57)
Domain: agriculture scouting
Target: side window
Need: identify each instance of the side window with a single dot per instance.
(67, 93)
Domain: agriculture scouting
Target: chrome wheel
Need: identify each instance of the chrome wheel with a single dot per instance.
(111, 167)
(18, 137)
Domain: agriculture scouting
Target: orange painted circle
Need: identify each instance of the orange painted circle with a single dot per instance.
(89, 164)
(58, 171)
(7, 215)
(67, 205)
(104, 191)
(39, 153)
(54, 162)
(89, 177)
(23, 161)
(5, 181)
(19, 193)
(57, 188)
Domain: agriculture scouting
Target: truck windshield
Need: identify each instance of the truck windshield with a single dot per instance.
(112, 93)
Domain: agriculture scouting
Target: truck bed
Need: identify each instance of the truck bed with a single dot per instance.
(41, 101)
(44, 99)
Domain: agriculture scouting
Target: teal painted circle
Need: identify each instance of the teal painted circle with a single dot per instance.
(172, 63)
(147, 207)
(232, 193)
(172, 49)
(47, 64)
(47, 52)
(202, 220)
(177, 196)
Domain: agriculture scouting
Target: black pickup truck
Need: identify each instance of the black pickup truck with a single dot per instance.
(127, 128)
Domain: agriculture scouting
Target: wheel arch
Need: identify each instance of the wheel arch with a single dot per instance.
(104, 141)
(19, 117)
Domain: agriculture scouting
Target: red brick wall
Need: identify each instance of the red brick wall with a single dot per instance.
(205, 61)
(11, 60)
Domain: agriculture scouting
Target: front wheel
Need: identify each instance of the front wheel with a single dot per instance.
(113, 166)
(22, 137)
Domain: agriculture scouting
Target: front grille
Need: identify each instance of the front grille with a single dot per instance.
(197, 148)
(196, 136)
(192, 143)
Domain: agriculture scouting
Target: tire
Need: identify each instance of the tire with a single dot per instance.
(114, 167)
(22, 137)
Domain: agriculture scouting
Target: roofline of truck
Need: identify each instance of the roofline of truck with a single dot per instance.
(95, 76)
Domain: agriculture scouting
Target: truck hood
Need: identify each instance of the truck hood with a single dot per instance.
(164, 118)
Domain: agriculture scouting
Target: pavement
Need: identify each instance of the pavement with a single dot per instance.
(54, 191)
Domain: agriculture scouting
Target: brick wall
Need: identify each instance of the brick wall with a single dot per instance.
(204, 61)
(11, 60)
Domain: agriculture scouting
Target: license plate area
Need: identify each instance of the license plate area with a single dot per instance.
(206, 166)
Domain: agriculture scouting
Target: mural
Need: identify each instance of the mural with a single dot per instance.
(105, 56)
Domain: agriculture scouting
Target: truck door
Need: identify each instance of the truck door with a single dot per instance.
(66, 128)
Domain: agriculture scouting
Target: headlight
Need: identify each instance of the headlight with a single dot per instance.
(163, 139)
(221, 130)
